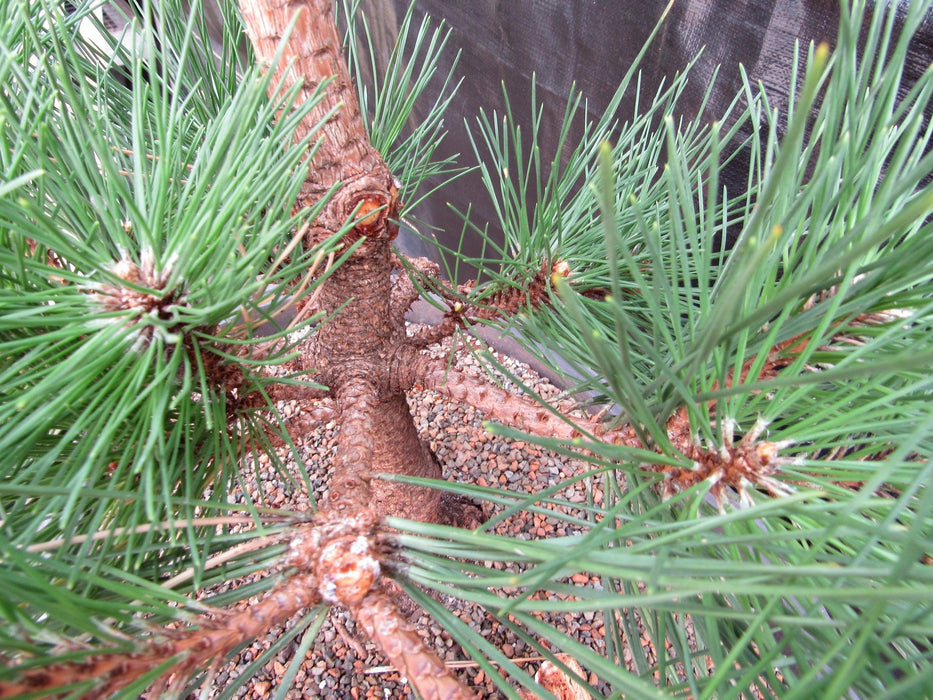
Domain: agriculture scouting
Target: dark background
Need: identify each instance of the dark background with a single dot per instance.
(592, 43)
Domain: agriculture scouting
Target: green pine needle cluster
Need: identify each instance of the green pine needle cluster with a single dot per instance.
(139, 255)
(811, 332)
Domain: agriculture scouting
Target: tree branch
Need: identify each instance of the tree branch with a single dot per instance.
(731, 465)
(399, 641)
(313, 57)
(514, 410)
(212, 638)
(404, 291)
(344, 154)
(350, 484)
(337, 559)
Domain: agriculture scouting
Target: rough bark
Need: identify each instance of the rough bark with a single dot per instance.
(337, 558)
(314, 57)
(734, 465)
(379, 618)
(352, 352)
(356, 352)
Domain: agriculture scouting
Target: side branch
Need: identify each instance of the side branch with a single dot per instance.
(467, 308)
(404, 291)
(733, 465)
(191, 649)
(511, 409)
(399, 641)
(337, 559)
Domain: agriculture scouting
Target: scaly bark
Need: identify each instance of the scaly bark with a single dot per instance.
(350, 353)
(380, 619)
(314, 57)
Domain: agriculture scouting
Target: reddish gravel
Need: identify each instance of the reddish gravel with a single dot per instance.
(341, 663)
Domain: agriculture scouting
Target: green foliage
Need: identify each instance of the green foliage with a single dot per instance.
(138, 256)
(141, 232)
(812, 332)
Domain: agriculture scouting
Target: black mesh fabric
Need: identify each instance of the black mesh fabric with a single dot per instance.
(591, 44)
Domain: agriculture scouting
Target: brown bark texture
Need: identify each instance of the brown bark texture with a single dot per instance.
(356, 352)
(352, 353)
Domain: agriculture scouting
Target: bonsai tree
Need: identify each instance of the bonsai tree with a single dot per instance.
(191, 242)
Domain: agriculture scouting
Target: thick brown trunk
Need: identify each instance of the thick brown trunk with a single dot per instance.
(344, 154)
(377, 435)
(352, 352)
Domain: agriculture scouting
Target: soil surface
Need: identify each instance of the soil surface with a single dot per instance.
(341, 663)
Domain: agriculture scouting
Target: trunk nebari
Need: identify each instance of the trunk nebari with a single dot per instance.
(352, 352)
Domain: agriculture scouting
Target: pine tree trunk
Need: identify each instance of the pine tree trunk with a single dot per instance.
(353, 353)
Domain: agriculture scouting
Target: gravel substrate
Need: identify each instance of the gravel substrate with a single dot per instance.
(342, 663)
